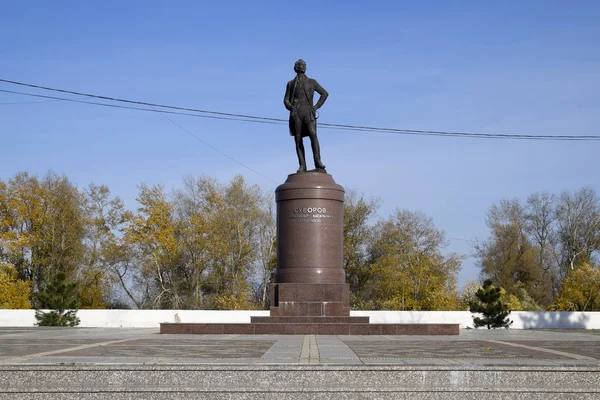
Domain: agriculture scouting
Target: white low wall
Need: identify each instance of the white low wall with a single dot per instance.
(521, 319)
(417, 317)
(152, 318)
(134, 318)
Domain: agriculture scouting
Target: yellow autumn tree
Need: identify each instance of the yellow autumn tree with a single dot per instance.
(512, 302)
(467, 297)
(358, 210)
(467, 294)
(200, 247)
(409, 271)
(93, 285)
(580, 290)
(14, 293)
(152, 231)
(227, 235)
(42, 226)
(235, 229)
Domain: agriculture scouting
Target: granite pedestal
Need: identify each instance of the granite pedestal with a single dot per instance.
(310, 294)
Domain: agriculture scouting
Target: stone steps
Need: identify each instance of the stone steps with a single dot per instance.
(297, 382)
(310, 320)
(327, 328)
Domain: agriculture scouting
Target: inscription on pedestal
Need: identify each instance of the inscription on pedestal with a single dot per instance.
(311, 214)
(310, 209)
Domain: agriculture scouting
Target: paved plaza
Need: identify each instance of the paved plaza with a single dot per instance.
(63, 346)
(123, 363)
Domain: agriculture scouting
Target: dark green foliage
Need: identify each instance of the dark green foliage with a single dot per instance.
(495, 313)
(61, 298)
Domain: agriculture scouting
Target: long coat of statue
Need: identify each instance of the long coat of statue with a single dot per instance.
(299, 98)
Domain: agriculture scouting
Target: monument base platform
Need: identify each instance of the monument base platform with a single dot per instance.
(310, 299)
(309, 326)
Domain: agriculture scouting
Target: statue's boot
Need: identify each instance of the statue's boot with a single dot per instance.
(300, 153)
(316, 149)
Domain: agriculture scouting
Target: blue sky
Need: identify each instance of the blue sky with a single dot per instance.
(501, 67)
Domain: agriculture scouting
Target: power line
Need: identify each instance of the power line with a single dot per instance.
(461, 239)
(144, 103)
(27, 102)
(95, 103)
(355, 128)
(215, 149)
(258, 119)
(163, 113)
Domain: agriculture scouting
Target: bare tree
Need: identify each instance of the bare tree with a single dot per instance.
(267, 247)
(578, 216)
(508, 257)
(540, 224)
(540, 217)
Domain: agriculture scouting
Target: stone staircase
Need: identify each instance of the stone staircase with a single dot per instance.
(297, 382)
(310, 325)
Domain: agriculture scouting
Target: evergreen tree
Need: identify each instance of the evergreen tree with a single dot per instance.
(60, 297)
(495, 313)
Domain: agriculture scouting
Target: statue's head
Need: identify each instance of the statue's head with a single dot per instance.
(300, 66)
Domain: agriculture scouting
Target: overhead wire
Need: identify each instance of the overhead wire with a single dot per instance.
(26, 102)
(140, 102)
(216, 149)
(258, 119)
(195, 112)
(162, 113)
(131, 108)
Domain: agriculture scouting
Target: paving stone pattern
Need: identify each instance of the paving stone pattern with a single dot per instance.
(17, 350)
(456, 349)
(146, 346)
(161, 348)
(588, 349)
(85, 363)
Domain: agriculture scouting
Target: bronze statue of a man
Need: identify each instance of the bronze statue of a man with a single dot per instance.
(298, 99)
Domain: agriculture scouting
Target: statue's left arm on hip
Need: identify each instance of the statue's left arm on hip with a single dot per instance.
(323, 95)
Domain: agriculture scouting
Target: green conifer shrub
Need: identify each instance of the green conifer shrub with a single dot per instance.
(60, 297)
(488, 304)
